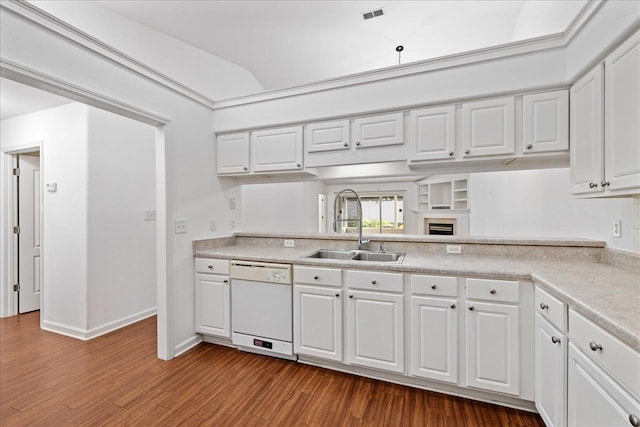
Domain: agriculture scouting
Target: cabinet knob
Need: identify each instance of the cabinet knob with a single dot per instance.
(467, 151)
(337, 295)
(210, 267)
(225, 281)
(357, 142)
(451, 153)
(594, 346)
(543, 306)
(453, 306)
(605, 183)
(346, 145)
(492, 291)
(529, 146)
(555, 340)
(244, 168)
(298, 165)
(373, 282)
(350, 296)
(593, 185)
(471, 308)
(433, 286)
(634, 420)
(315, 277)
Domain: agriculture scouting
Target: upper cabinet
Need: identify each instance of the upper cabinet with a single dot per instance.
(545, 122)
(432, 133)
(605, 138)
(488, 127)
(327, 136)
(379, 131)
(277, 149)
(233, 153)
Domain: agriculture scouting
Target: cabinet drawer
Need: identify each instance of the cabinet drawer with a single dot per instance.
(612, 354)
(434, 285)
(374, 280)
(215, 266)
(552, 309)
(493, 290)
(317, 276)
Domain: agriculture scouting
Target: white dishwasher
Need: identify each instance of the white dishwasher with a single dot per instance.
(261, 308)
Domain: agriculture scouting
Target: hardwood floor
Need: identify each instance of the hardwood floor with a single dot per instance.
(52, 380)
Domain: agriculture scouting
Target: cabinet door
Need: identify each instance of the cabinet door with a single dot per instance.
(276, 149)
(233, 153)
(550, 373)
(493, 355)
(379, 131)
(587, 138)
(375, 328)
(432, 134)
(594, 399)
(545, 122)
(317, 322)
(213, 305)
(488, 127)
(327, 136)
(434, 338)
(622, 116)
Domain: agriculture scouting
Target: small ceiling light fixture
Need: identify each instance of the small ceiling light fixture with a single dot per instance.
(372, 14)
(399, 49)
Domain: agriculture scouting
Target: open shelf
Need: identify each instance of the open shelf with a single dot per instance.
(443, 195)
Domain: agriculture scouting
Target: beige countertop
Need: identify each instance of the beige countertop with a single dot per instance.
(608, 296)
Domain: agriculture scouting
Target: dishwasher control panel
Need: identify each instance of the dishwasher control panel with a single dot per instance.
(278, 276)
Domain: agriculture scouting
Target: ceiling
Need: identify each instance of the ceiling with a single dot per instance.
(290, 43)
(17, 99)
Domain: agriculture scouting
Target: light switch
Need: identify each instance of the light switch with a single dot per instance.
(180, 226)
(52, 187)
(150, 215)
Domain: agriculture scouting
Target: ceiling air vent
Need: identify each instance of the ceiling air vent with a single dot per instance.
(372, 14)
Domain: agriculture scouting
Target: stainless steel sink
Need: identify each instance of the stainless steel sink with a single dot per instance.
(379, 257)
(354, 255)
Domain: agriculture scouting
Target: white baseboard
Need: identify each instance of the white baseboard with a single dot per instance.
(187, 345)
(87, 334)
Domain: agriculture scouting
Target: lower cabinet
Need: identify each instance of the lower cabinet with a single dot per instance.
(317, 321)
(212, 297)
(550, 373)
(375, 330)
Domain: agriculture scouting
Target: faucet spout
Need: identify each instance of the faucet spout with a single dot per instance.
(338, 218)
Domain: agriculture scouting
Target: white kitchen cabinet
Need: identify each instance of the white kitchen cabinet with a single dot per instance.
(488, 127)
(550, 373)
(622, 117)
(545, 122)
(327, 136)
(212, 297)
(378, 131)
(432, 134)
(279, 149)
(434, 338)
(375, 330)
(594, 398)
(317, 321)
(233, 153)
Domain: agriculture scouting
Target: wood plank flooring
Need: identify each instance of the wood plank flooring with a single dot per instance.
(52, 380)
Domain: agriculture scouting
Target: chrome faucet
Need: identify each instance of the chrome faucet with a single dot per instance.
(337, 218)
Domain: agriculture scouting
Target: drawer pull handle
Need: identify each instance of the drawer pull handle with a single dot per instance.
(492, 291)
(472, 308)
(634, 420)
(543, 306)
(315, 277)
(594, 346)
(555, 340)
(337, 295)
(433, 286)
(453, 306)
(373, 282)
(210, 267)
(225, 281)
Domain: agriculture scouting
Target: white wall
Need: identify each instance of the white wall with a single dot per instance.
(538, 203)
(63, 132)
(121, 244)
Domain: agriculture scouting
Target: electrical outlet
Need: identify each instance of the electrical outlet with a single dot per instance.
(232, 203)
(617, 228)
(150, 215)
(180, 226)
(454, 249)
(212, 224)
(289, 243)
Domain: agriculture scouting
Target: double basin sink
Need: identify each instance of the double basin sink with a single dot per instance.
(355, 255)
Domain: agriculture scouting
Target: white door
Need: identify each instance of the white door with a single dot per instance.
(213, 305)
(488, 127)
(378, 131)
(375, 328)
(29, 190)
(276, 149)
(233, 153)
(317, 322)
(550, 373)
(434, 338)
(545, 122)
(493, 356)
(622, 116)
(432, 133)
(587, 137)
